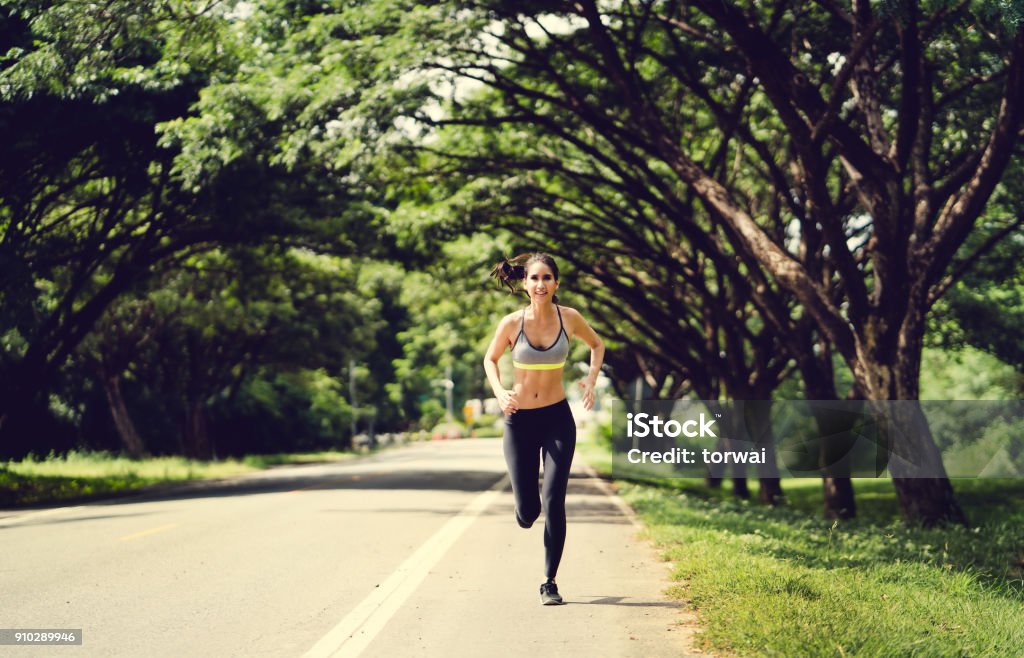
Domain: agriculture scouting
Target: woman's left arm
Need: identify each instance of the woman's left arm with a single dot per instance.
(581, 328)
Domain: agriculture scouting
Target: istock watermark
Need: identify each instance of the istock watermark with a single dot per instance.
(814, 438)
(646, 424)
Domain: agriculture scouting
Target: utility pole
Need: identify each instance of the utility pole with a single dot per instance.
(352, 395)
(449, 385)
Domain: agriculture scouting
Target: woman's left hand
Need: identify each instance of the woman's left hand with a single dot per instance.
(588, 394)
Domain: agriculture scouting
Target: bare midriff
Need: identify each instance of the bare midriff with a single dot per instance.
(538, 388)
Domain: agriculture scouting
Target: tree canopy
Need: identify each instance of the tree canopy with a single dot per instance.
(223, 202)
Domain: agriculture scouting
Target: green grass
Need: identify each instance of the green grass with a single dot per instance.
(79, 475)
(787, 582)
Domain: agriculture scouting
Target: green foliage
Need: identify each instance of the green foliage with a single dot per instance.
(486, 420)
(18, 489)
(967, 374)
(567, 132)
(986, 307)
(488, 426)
(93, 50)
(264, 340)
(453, 313)
(995, 453)
(80, 475)
(272, 135)
(449, 429)
(147, 134)
(431, 414)
(301, 411)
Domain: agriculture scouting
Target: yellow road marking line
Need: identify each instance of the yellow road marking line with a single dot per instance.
(151, 531)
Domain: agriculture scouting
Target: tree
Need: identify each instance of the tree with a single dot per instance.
(135, 151)
(872, 137)
(87, 206)
(224, 319)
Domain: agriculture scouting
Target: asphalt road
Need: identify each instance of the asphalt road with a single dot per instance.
(410, 552)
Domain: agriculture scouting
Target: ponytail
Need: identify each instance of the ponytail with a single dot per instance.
(509, 270)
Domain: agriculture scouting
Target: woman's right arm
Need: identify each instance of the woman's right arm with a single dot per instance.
(502, 337)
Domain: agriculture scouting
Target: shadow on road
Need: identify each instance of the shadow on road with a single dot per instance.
(268, 483)
(622, 601)
(595, 508)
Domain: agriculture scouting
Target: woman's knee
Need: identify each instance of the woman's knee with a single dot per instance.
(527, 514)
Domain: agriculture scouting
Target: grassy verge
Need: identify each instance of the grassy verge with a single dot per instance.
(79, 475)
(787, 582)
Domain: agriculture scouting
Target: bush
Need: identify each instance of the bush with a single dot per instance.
(285, 412)
(432, 412)
(485, 420)
(449, 430)
(488, 426)
(489, 432)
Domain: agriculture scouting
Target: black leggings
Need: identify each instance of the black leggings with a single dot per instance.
(550, 430)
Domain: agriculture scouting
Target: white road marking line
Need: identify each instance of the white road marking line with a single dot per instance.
(360, 626)
(151, 531)
(14, 520)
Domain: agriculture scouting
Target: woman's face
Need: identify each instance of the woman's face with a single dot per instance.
(540, 283)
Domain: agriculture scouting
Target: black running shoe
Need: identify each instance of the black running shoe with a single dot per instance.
(549, 594)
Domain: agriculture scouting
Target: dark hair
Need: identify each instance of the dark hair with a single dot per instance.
(508, 270)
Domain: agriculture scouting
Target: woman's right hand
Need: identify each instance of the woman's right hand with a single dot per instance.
(508, 402)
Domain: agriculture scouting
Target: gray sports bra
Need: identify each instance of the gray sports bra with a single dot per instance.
(527, 357)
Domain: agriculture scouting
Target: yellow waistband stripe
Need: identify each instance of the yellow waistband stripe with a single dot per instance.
(538, 366)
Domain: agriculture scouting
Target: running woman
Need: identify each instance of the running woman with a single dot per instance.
(538, 422)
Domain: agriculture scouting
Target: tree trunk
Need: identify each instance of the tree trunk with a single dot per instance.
(757, 417)
(740, 486)
(131, 442)
(196, 439)
(915, 463)
(20, 389)
(834, 426)
(919, 476)
(929, 501)
(771, 491)
(839, 499)
(18, 418)
(837, 487)
(716, 472)
(32, 375)
(740, 489)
